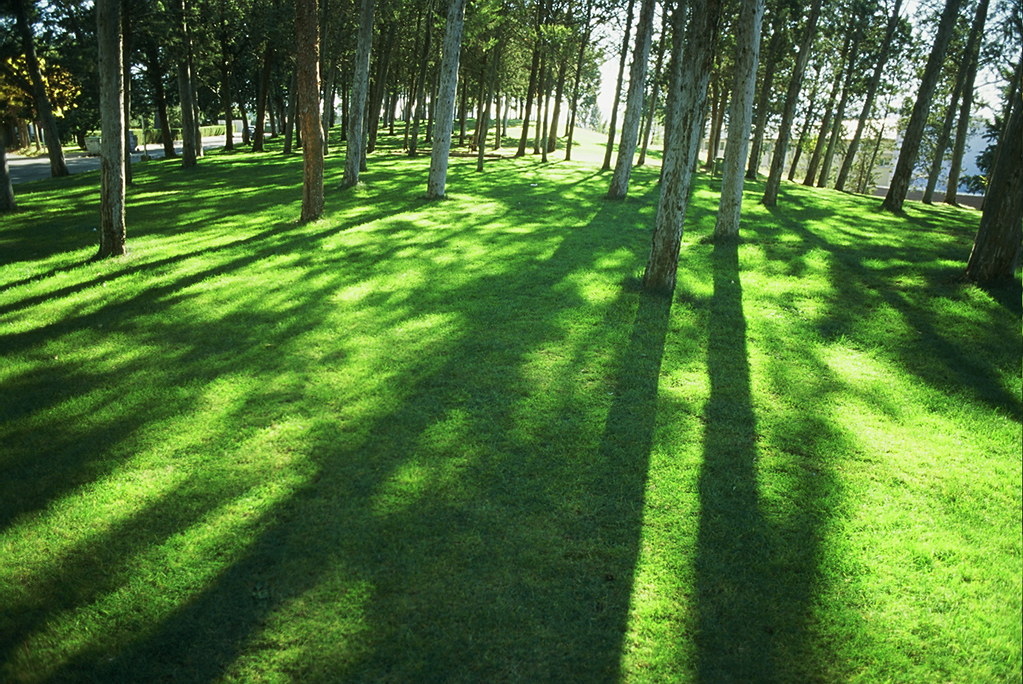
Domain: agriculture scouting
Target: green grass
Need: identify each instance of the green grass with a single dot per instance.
(453, 441)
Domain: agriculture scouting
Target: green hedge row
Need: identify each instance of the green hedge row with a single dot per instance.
(153, 134)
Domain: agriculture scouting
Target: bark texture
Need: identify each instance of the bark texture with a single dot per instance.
(996, 250)
(111, 83)
(307, 66)
(740, 118)
(356, 142)
(910, 149)
(966, 103)
(773, 184)
(633, 103)
(686, 104)
(435, 185)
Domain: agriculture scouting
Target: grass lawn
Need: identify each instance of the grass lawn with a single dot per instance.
(453, 441)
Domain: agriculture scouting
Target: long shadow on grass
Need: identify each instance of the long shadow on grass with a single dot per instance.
(932, 354)
(512, 557)
(752, 593)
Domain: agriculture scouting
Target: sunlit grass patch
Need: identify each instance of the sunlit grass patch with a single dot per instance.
(453, 440)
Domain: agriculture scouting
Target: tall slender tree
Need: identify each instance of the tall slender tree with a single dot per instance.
(58, 167)
(996, 250)
(740, 116)
(633, 103)
(899, 185)
(774, 50)
(356, 149)
(966, 102)
(611, 126)
(887, 45)
(307, 42)
(773, 184)
(111, 84)
(7, 202)
(686, 100)
(435, 186)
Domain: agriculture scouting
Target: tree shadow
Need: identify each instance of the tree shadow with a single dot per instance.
(513, 561)
(754, 574)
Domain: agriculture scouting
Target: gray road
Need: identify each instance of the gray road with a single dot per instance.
(24, 169)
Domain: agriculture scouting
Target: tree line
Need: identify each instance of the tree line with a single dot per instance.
(774, 79)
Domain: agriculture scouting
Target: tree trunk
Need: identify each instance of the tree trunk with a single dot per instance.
(633, 103)
(356, 148)
(7, 202)
(188, 156)
(376, 98)
(419, 89)
(289, 132)
(899, 185)
(868, 102)
(766, 88)
(307, 69)
(838, 125)
(740, 116)
(962, 128)
(42, 101)
(559, 92)
(463, 106)
(126, 49)
(996, 250)
(225, 104)
(773, 184)
(609, 148)
(941, 143)
(111, 208)
(578, 77)
(655, 91)
(155, 72)
(684, 123)
(262, 97)
(532, 87)
(246, 140)
(829, 110)
(435, 186)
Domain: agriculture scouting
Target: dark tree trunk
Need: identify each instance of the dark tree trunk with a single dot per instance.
(868, 102)
(292, 113)
(609, 148)
(262, 97)
(962, 128)
(111, 209)
(419, 89)
(655, 91)
(941, 143)
(530, 90)
(773, 184)
(578, 77)
(899, 185)
(996, 250)
(7, 202)
(126, 49)
(307, 69)
(829, 110)
(376, 99)
(42, 101)
(559, 92)
(763, 105)
(838, 125)
(246, 140)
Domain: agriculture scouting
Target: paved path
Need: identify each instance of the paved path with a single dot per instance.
(24, 169)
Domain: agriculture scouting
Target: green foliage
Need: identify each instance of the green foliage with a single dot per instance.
(452, 441)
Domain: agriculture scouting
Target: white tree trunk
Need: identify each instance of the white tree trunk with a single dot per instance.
(446, 100)
(740, 117)
(111, 101)
(686, 104)
(356, 133)
(633, 103)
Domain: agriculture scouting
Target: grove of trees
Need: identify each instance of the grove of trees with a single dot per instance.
(773, 81)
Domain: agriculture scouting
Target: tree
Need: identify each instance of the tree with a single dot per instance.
(633, 103)
(774, 54)
(435, 185)
(962, 128)
(887, 43)
(996, 249)
(899, 185)
(307, 41)
(186, 90)
(7, 202)
(740, 115)
(109, 37)
(57, 165)
(608, 149)
(686, 99)
(357, 104)
(773, 184)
